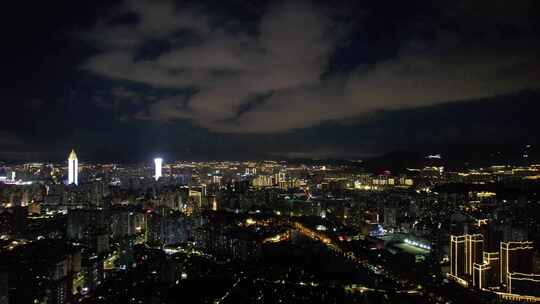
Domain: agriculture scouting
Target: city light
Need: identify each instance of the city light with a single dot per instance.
(158, 163)
(73, 169)
(417, 244)
(270, 152)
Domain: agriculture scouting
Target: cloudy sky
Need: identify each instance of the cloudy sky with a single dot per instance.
(126, 80)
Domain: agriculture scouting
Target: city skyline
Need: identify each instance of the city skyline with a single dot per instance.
(428, 234)
(270, 151)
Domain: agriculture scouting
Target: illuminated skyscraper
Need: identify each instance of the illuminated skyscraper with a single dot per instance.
(73, 168)
(524, 284)
(516, 257)
(458, 254)
(475, 248)
(492, 237)
(465, 251)
(158, 162)
(486, 274)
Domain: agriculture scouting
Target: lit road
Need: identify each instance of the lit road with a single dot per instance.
(330, 244)
(220, 300)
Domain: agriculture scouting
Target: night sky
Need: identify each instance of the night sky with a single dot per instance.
(127, 80)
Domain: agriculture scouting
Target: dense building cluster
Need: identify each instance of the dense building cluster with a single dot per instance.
(267, 232)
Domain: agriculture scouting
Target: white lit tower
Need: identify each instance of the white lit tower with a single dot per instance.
(73, 168)
(158, 162)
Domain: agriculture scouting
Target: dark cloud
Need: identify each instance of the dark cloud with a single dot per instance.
(125, 79)
(227, 69)
(289, 55)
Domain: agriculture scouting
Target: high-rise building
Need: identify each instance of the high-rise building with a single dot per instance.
(516, 257)
(41, 272)
(73, 168)
(279, 177)
(492, 237)
(215, 205)
(465, 251)
(89, 227)
(195, 199)
(158, 162)
(390, 217)
(486, 274)
(475, 248)
(458, 254)
(524, 284)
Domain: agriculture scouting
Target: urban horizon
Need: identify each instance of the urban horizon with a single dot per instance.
(270, 151)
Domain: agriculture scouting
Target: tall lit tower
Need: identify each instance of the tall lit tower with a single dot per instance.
(158, 164)
(73, 168)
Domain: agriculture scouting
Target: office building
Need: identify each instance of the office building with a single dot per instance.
(73, 168)
(475, 248)
(516, 257)
(486, 274)
(523, 284)
(465, 251)
(158, 163)
(458, 254)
